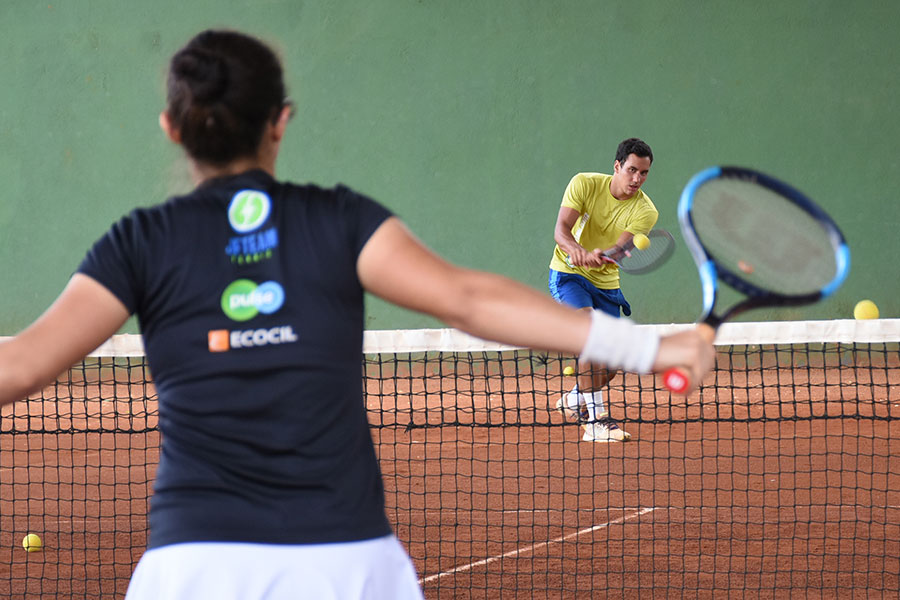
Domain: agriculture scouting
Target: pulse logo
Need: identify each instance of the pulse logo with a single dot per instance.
(248, 211)
(243, 299)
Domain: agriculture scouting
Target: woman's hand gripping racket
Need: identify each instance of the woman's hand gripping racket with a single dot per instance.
(761, 237)
(636, 261)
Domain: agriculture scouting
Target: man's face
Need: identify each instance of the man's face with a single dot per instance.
(630, 176)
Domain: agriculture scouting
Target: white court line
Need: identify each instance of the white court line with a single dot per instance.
(533, 547)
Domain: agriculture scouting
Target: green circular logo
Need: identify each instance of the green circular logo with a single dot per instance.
(248, 210)
(238, 301)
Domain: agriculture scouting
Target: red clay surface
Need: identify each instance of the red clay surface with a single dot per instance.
(784, 485)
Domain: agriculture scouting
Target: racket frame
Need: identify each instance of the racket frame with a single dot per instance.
(711, 271)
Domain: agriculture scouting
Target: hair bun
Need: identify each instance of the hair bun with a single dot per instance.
(223, 88)
(205, 74)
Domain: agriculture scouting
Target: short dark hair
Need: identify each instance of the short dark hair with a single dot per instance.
(634, 146)
(223, 87)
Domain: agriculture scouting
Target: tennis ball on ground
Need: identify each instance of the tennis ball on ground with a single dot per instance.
(640, 241)
(568, 371)
(32, 543)
(865, 309)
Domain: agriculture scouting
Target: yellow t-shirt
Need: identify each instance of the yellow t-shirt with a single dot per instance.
(603, 219)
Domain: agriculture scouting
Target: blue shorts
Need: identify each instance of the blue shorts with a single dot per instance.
(578, 292)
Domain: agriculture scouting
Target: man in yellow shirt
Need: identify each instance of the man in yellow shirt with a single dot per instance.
(599, 213)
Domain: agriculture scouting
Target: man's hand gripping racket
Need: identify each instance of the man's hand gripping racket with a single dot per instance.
(761, 237)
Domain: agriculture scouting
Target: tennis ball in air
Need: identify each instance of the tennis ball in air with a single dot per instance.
(32, 543)
(865, 309)
(641, 241)
(568, 371)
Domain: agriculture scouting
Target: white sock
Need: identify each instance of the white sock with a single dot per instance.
(594, 402)
(573, 399)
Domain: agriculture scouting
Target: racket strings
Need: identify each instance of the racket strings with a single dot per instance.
(662, 245)
(755, 234)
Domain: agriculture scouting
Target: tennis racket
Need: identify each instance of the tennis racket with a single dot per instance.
(634, 261)
(761, 237)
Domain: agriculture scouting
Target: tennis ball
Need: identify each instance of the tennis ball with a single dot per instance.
(865, 309)
(568, 371)
(32, 543)
(640, 241)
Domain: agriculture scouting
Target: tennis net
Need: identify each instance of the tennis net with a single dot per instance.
(779, 478)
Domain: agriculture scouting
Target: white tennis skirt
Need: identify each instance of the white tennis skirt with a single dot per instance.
(376, 569)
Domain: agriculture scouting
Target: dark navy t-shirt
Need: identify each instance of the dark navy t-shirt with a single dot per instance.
(251, 312)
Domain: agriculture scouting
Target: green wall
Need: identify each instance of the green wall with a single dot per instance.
(467, 118)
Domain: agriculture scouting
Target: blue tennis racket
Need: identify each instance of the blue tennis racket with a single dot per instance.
(761, 237)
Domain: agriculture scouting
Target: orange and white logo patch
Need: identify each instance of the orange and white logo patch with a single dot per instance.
(218, 340)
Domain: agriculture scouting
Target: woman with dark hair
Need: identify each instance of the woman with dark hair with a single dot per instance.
(249, 294)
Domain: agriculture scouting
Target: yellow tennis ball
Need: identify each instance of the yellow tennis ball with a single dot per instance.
(32, 543)
(641, 241)
(865, 309)
(568, 371)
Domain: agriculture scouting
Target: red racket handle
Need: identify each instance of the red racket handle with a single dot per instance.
(678, 379)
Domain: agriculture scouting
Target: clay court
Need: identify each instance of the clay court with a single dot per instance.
(776, 482)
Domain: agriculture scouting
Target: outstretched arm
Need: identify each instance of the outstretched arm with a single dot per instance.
(395, 266)
(84, 316)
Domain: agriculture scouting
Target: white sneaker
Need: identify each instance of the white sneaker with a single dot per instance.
(604, 429)
(581, 415)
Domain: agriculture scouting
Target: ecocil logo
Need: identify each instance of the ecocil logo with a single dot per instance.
(243, 299)
(248, 210)
(223, 340)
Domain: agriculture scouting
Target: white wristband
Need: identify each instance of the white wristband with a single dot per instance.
(620, 344)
